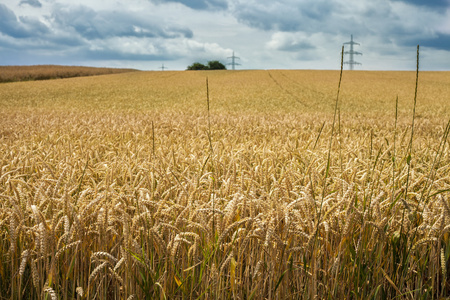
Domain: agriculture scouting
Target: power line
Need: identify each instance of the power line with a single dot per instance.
(351, 62)
(233, 61)
(163, 68)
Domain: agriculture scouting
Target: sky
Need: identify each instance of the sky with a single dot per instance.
(264, 34)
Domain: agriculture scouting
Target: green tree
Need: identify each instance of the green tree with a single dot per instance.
(212, 65)
(216, 65)
(197, 66)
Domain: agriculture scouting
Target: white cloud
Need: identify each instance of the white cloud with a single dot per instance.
(444, 24)
(288, 41)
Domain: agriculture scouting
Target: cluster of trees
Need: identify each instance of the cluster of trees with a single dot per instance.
(212, 65)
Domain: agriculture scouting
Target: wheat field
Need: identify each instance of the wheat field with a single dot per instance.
(226, 185)
(45, 72)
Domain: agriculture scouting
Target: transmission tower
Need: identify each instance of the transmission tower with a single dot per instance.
(162, 68)
(351, 62)
(233, 61)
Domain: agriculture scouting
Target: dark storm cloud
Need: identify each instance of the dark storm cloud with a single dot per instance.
(440, 41)
(34, 3)
(92, 24)
(199, 4)
(22, 27)
(427, 3)
(290, 16)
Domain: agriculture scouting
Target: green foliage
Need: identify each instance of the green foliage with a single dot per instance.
(216, 65)
(212, 65)
(197, 66)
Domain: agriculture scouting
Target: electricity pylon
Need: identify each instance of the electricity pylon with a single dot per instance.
(351, 62)
(233, 61)
(162, 68)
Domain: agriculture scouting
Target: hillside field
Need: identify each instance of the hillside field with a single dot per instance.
(258, 184)
(45, 72)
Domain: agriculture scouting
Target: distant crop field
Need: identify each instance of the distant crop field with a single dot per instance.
(45, 72)
(226, 185)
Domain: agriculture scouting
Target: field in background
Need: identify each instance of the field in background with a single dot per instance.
(44, 72)
(126, 186)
